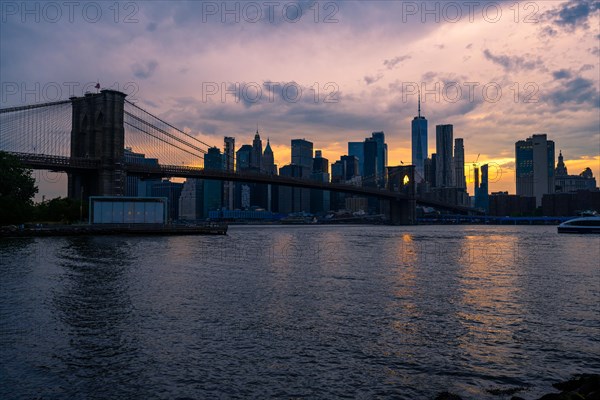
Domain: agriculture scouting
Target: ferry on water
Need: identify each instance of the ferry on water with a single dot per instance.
(581, 225)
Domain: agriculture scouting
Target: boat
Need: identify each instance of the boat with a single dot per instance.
(581, 225)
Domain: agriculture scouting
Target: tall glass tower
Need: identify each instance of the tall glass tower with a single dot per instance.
(443, 144)
(213, 190)
(302, 155)
(379, 137)
(419, 144)
(357, 149)
(534, 158)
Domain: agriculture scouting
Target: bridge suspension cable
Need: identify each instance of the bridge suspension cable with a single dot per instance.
(169, 125)
(37, 129)
(155, 138)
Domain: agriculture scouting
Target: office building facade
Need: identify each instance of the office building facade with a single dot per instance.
(357, 149)
(213, 189)
(302, 155)
(191, 200)
(229, 166)
(460, 179)
(419, 144)
(534, 159)
(379, 138)
(444, 166)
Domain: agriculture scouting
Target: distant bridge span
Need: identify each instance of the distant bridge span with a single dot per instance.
(71, 164)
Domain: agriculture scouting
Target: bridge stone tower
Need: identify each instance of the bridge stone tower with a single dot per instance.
(402, 179)
(98, 133)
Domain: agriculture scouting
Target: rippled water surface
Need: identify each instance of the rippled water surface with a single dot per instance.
(299, 312)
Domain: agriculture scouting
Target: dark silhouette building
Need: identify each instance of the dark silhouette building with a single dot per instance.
(357, 149)
(382, 151)
(444, 166)
(349, 168)
(481, 191)
(502, 204)
(268, 160)
(293, 199)
(320, 164)
(170, 190)
(570, 204)
(320, 199)
(565, 183)
(257, 153)
(429, 168)
(191, 200)
(460, 181)
(213, 189)
(229, 161)
(132, 182)
(371, 173)
(302, 155)
(419, 144)
(534, 158)
(243, 158)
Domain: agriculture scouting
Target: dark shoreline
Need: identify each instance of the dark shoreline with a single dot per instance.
(114, 229)
(579, 387)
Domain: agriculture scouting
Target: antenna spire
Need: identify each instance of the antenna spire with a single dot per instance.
(419, 103)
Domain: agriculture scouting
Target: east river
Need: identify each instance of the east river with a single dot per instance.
(299, 312)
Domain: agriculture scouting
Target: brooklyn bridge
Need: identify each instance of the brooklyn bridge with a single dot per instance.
(86, 137)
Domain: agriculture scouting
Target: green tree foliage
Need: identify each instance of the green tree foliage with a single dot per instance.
(59, 210)
(17, 188)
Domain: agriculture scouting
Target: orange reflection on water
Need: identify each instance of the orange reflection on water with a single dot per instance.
(489, 299)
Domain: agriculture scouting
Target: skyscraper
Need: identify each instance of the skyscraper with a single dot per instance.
(371, 164)
(133, 182)
(337, 172)
(357, 149)
(243, 158)
(349, 167)
(269, 167)
(482, 199)
(320, 199)
(534, 158)
(213, 190)
(443, 145)
(302, 160)
(257, 153)
(345, 170)
(459, 164)
(170, 190)
(419, 144)
(302, 154)
(229, 153)
(429, 169)
(320, 164)
(191, 200)
(293, 199)
(379, 137)
(229, 163)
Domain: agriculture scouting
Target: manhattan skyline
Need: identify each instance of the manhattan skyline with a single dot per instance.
(358, 65)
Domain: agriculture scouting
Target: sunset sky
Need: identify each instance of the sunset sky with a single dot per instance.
(522, 68)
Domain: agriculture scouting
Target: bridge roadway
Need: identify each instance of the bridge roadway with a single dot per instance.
(70, 164)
